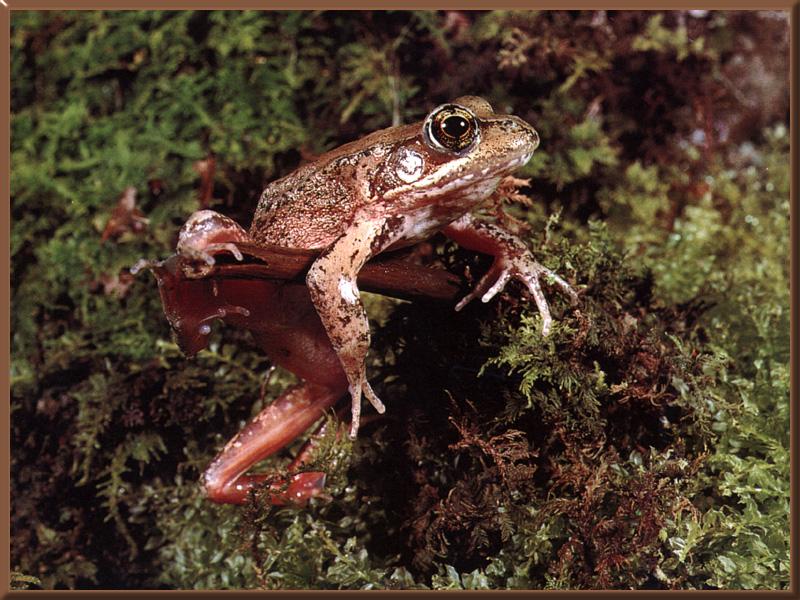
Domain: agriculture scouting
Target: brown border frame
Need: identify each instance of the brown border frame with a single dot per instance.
(6, 6)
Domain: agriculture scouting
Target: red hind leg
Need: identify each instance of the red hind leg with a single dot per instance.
(284, 323)
(274, 427)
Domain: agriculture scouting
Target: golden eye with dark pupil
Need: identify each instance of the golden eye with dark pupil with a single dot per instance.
(452, 127)
(455, 127)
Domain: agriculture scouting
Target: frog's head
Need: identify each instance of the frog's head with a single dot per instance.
(461, 148)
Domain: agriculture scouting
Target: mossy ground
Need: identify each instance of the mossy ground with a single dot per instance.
(644, 444)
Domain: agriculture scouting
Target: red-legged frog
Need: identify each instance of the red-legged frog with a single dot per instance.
(392, 188)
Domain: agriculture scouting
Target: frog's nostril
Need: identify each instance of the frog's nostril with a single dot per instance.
(525, 133)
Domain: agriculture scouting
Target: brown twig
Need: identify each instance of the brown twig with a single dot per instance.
(388, 275)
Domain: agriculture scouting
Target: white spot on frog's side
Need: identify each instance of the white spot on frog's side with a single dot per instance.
(347, 290)
(409, 166)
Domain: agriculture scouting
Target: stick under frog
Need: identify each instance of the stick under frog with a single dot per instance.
(391, 189)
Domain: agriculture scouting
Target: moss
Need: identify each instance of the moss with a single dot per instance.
(643, 444)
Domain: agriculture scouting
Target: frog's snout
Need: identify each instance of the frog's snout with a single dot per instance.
(518, 135)
(528, 133)
(534, 138)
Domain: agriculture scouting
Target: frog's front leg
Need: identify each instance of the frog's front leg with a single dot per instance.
(332, 284)
(511, 259)
(207, 232)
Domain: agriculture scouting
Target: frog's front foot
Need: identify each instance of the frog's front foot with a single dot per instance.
(524, 267)
(355, 394)
(206, 233)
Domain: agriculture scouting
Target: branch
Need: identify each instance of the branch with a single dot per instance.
(388, 275)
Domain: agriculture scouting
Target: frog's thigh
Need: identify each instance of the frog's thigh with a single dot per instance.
(307, 353)
(293, 336)
(286, 326)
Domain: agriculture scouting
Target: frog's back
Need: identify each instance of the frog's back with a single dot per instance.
(308, 209)
(313, 206)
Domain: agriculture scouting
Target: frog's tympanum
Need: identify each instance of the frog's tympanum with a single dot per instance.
(390, 189)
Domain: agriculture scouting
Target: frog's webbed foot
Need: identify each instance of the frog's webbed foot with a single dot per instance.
(206, 233)
(511, 259)
(529, 271)
(331, 282)
(207, 253)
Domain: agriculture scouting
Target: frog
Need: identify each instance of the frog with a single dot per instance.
(388, 190)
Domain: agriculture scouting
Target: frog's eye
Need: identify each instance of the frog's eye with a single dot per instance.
(451, 127)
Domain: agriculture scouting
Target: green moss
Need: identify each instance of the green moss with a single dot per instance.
(643, 444)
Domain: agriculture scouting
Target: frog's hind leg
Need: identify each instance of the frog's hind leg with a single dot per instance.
(292, 335)
(275, 427)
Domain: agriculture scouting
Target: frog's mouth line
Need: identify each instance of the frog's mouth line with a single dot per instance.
(493, 171)
(423, 188)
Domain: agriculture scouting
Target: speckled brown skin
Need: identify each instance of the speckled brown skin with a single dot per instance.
(313, 206)
(392, 188)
